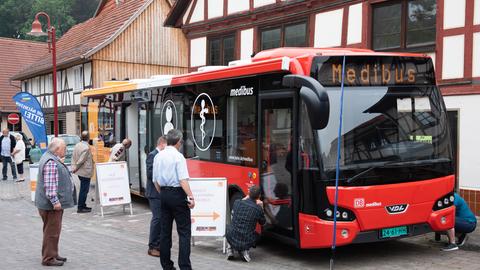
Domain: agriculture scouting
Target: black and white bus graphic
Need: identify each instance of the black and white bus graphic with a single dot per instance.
(168, 116)
(203, 121)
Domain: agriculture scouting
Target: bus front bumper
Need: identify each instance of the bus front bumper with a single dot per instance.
(317, 233)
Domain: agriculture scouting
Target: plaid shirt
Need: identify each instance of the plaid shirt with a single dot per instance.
(241, 233)
(50, 177)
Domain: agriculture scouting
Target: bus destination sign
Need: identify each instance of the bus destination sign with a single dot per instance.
(373, 71)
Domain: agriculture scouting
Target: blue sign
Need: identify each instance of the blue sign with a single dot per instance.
(32, 114)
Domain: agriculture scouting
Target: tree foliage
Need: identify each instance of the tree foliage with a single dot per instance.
(16, 16)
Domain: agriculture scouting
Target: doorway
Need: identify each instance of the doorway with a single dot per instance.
(277, 167)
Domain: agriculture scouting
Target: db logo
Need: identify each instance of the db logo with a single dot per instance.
(359, 203)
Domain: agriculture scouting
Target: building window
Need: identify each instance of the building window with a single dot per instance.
(406, 24)
(221, 51)
(287, 35)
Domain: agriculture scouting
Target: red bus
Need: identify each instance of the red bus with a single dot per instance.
(274, 122)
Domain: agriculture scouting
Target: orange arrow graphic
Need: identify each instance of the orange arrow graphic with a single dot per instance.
(214, 215)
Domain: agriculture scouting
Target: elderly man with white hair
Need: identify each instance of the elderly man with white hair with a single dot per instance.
(53, 194)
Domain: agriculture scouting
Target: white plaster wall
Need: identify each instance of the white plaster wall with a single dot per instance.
(328, 29)
(468, 144)
(476, 16)
(453, 57)
(246, 39)
(215, 8)
(199, 12)
(71, 127)
(434, 58)
(260, 3)
(454, 14)
(87, 73)
(198, 52)
(476, 55)
(238, 5)
(354, 24)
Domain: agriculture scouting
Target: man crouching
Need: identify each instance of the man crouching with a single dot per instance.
(246, 213)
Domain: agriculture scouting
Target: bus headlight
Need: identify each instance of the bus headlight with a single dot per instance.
(444, 202)
(342, 214)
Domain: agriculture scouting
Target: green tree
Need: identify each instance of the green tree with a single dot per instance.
(59, 12)
(13, 15)
(83, 10)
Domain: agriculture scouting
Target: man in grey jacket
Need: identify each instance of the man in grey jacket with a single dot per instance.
(53, 194)
(82, 165)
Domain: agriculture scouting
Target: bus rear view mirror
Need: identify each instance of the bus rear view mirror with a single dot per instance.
(314, 96)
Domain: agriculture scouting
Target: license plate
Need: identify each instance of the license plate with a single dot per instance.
(394, 232)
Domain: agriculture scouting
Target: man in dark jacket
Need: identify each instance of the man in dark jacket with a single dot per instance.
(241, 235)
(7, 144)
(153, 197)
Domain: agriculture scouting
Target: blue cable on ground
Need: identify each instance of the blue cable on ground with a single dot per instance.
(337, 170)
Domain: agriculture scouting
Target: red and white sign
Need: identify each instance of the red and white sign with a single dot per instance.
(13, 119)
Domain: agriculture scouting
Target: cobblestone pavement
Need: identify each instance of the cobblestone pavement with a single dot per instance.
(118, 241)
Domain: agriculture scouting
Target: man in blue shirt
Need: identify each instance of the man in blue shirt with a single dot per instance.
(465, 222)
(170, 176)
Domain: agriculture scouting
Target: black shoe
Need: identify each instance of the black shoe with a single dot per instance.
(4, 178)
(230, 255)
(245, 256)
(84, 210)
(53, 262)
(88, 208)
(450, 247)
(62, 259)
(462, 239)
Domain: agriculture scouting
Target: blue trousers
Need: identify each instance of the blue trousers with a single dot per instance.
(464, 226)
(174, 207)
(5, 162)
(155, 223)
(82, 195)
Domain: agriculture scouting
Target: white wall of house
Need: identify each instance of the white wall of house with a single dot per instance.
(246, 47)
(261, 3)
(198, 13)
(476, 54)
(215, 8)
(454, 14)
(328, 28)
(476, 16)
(468, 144)
(354, 32)
(453, 56)
(235, 6)
(76, 78)
(198, 52)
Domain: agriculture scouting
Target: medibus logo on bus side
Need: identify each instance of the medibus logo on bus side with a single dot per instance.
(242, 91)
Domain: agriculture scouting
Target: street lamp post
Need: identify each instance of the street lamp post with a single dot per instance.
(37, 32)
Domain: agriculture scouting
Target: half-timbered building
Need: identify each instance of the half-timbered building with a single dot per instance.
(124, 39)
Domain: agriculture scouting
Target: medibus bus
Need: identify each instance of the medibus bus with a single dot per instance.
(274, 122)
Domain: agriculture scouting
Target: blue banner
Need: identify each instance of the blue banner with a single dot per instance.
(32, 114)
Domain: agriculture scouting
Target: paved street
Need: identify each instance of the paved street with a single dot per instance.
(118, 241)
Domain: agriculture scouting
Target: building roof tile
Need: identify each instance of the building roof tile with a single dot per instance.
(16, 54)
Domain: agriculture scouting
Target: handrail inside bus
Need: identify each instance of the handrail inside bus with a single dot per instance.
(314, 96)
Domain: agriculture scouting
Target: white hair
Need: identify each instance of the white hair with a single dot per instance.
(18, 136)
(55, 144)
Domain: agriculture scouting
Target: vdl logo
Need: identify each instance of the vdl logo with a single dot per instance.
(396, 209)
(203, 129)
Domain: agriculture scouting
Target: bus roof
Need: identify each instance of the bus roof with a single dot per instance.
(294, 60)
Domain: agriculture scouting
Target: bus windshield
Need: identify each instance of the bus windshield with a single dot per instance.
(390, 134)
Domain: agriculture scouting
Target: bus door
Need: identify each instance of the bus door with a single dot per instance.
(143, 142)
(131, 124)
(277, 161)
